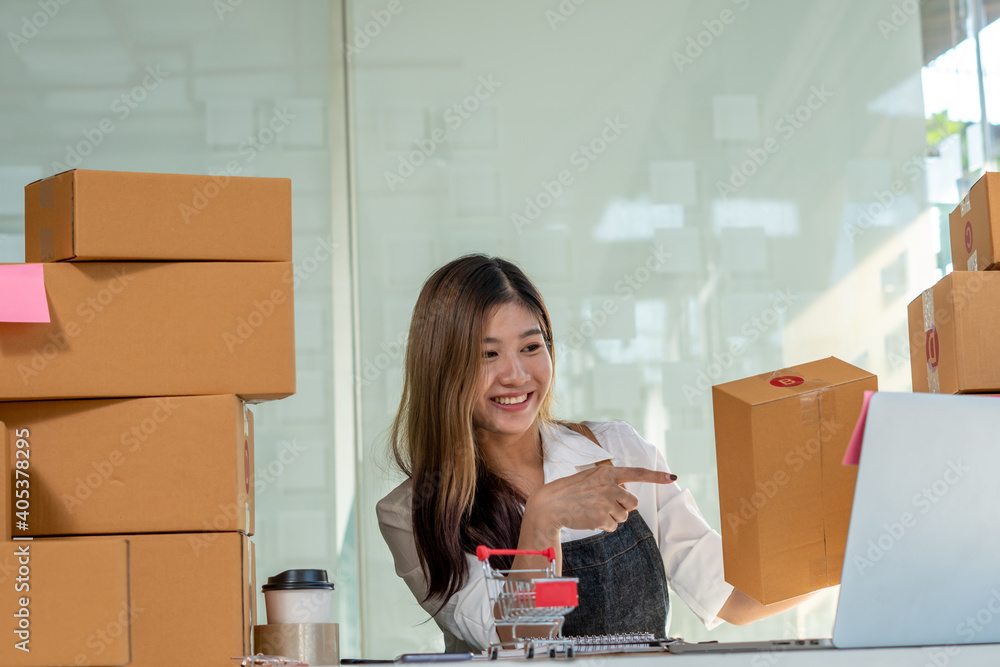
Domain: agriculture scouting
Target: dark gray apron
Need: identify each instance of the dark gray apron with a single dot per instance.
(623, 586)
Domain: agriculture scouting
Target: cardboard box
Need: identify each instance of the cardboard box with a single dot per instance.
(155, 329)
(144, 465)
(954, 348)
(68, 600)
(785, 499)
(58, 598)
(193, 597)
(975, 227)
(113, 215)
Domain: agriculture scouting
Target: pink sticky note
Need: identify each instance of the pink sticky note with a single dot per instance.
(22, 293)
(853, 454)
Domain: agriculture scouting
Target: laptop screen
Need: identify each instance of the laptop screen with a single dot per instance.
(922, 563)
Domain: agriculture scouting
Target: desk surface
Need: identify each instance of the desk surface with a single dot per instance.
(972, 655)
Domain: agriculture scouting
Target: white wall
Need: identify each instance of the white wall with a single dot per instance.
(675, 130)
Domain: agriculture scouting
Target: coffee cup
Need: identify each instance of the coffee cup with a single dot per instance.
(298, 596)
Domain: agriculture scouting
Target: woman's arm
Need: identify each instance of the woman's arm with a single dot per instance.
(741, 609)
(467, 614)
(589, 500)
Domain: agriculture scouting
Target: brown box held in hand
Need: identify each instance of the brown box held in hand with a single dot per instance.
(155, 329)
(142, 465)
(954, 347)
(785, 499)
(975, 227)
(193, 598)
(84, 215)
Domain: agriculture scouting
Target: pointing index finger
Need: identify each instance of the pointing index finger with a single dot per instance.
(623, 475)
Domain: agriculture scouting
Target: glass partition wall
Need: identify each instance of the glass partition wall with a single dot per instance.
(702, 191)
(228, 87)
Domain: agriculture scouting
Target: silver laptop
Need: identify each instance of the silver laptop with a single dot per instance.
(921, 565)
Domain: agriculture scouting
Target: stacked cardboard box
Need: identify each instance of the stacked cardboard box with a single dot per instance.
(59, 597)
(169, 300)
(785, 499)
(953, 347)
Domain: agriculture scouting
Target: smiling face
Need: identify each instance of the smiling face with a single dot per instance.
(517, 372)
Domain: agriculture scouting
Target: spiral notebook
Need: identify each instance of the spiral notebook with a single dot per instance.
(638, 642)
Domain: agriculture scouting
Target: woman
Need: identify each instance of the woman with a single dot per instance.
(486, 463)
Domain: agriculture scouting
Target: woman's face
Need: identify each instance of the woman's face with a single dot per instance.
(517, 372)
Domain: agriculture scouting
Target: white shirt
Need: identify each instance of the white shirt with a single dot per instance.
(692, 551)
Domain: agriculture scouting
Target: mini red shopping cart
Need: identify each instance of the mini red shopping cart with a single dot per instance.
(536, 598)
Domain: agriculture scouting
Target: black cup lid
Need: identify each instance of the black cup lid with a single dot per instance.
(290, 580)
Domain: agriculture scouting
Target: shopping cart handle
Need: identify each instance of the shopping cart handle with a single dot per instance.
(484, 553)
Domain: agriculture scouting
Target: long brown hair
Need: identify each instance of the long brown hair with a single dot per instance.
(459, 502)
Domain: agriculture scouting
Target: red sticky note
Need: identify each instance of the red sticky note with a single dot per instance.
(853, 454)
(22, 293)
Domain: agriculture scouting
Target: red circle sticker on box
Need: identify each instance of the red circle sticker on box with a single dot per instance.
(968, 236)
(932, 348)
(787, 381)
